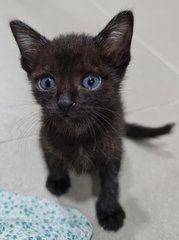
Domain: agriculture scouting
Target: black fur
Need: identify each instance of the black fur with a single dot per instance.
(135, 131)
(87, 137)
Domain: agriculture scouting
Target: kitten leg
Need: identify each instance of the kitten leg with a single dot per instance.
(58, 180)
(109, 212)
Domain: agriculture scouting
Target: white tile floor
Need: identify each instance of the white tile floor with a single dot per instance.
(150, 174)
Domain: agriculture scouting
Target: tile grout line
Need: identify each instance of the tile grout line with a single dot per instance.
(156, 54)
(140, 40)
(151, 108)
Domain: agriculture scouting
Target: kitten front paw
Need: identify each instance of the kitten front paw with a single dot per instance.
(58, 186)
(112, 218)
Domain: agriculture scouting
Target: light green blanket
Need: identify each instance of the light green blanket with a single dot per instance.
(34, 218)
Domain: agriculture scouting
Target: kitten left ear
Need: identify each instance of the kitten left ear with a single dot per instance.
(115, 39)
(30, 43)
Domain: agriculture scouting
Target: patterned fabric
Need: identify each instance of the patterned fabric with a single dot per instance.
(34, 218)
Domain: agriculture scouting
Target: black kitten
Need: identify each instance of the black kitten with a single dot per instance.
(76, 79)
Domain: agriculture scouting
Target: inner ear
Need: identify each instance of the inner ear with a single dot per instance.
(115, 39)
(30, 43)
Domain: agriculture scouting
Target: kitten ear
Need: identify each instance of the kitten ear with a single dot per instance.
(115, 38)
(30, 43)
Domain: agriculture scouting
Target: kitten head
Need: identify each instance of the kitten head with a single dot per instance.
(76, 78)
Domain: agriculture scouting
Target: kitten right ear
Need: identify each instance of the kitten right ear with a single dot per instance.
(115, 39)
(30, 43)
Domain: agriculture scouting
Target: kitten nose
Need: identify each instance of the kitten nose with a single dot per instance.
(65, 103)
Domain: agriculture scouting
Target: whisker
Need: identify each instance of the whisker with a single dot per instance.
(93, 132)
(106, 120)
(29, 105)
(24, 122)
(116, 113)
(99, 125)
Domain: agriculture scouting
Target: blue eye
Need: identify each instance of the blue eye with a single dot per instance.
(47, 83)
(91, 82)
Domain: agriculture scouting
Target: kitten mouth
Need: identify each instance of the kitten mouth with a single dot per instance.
(65, 115)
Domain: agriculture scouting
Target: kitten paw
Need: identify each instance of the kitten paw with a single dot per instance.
(58, 186)
(110, 219)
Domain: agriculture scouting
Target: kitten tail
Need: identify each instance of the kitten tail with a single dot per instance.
(139, 132)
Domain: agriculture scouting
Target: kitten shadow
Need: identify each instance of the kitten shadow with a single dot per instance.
(155, 147)
(84, 187)
(81, 187)
(136, 218)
